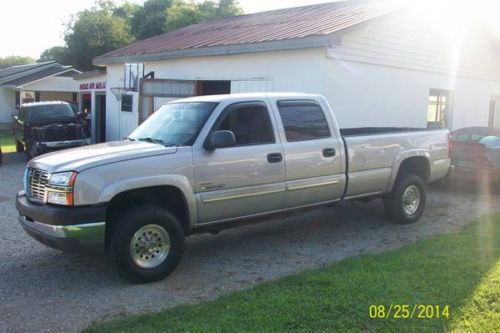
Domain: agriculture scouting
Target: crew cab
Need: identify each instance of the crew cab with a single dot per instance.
(207, 163)
(41, 127)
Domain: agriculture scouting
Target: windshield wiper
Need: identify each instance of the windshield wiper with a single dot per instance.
(153, 140)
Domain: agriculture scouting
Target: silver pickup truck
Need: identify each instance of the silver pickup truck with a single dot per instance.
(208, 163)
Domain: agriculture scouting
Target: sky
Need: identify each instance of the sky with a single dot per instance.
(28, 27)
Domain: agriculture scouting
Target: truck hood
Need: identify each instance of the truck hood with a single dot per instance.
(78, 159)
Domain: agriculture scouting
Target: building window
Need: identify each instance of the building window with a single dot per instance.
(303, 121)
(439, 108)
(127, 101)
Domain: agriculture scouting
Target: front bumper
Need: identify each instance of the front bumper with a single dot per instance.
(64, 228)
(64, 144)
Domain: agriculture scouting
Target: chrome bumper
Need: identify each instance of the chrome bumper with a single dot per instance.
(69, 237)
(68, 143)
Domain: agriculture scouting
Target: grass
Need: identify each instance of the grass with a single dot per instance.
(7, 141)
(461, 270)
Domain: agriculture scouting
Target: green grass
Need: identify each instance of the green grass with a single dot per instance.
(461, 270)
(7, 141)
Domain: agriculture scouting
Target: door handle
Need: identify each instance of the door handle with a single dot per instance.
(275, 158)
(329, 152)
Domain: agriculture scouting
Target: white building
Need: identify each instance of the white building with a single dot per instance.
(92, 97)
(377, 64)
(47, 81)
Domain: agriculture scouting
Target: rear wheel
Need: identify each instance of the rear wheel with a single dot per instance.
(147, 243)
(406, 203)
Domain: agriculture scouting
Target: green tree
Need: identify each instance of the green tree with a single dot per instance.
(149, 20)
(96, 31)
(127, 11)
(58, 54)
(182, 13)
(15, 60)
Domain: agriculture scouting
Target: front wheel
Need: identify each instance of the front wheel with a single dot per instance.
(147, 243)
(406, 203)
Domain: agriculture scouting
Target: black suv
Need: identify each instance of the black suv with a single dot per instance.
(46, 126)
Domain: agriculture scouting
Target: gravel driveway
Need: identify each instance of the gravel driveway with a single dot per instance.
(43, 290)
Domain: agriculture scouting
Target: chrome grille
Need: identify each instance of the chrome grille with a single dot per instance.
(37, 179)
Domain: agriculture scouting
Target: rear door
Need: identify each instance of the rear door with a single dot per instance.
(248, 178)
(313, 153)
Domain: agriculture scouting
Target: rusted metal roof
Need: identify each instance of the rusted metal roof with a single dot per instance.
(276, 25)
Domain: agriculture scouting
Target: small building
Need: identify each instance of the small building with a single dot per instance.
(378, 63)
(92, 97)
(47, 81)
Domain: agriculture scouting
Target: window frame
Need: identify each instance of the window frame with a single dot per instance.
(131, 103)
(229, 108)
(309, 102)
(447, 105)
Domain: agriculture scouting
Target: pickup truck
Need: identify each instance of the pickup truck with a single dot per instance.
(208, 163)
(41, 127)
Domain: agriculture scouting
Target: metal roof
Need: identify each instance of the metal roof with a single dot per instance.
(13, 70)
(50, 71)
(271, 26)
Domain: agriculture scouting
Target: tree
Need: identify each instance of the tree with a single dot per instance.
(14, 61)
(183, 13)
(127, 11)
(96, 31)
(58, 54)
(149, 20)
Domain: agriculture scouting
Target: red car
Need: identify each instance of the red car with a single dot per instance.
(475, 153)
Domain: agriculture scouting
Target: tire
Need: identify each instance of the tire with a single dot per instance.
(153, 259)
(31, 150)
(19, 147)
(413, 187)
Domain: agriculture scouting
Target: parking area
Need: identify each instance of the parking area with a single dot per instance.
(45, 290)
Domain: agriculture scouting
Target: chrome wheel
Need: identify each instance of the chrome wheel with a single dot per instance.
(411, 200)
(150, 246)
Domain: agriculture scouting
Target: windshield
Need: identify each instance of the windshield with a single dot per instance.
(176, 124)
(50, 112)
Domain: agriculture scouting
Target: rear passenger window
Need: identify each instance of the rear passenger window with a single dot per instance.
(250, 123)
(303, 121)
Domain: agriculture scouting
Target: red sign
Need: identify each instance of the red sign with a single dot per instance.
(92, 85)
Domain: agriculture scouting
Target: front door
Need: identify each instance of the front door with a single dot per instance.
(246, 179)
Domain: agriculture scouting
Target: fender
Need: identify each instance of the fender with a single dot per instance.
(177, 181)
(401, 157)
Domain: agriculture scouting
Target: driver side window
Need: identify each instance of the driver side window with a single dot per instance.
(250, 123)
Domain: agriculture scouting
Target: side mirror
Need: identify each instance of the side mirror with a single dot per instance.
(220, 139)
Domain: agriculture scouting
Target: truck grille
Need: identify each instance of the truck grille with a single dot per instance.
(37, 179)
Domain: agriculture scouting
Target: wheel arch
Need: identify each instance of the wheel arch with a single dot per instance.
(169, 196)
(416, 162)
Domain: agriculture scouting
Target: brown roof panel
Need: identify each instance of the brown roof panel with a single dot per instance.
(276, 25)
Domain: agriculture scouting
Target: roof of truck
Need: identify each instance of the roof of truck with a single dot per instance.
(43, 103)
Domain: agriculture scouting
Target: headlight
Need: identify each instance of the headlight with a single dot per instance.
(62, 179)
(60, 188)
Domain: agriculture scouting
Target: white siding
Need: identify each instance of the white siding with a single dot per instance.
(7, 104)
(54, 83)
(422, 42)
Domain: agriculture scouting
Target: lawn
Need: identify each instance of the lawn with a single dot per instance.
(7, 141)
(459, 272)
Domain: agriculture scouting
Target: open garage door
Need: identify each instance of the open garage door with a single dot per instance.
(153, 93)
